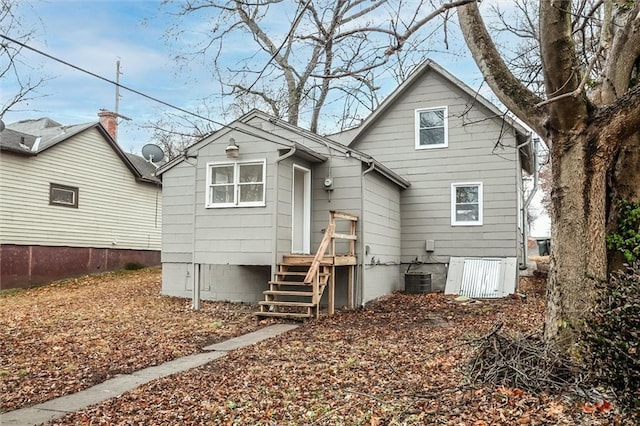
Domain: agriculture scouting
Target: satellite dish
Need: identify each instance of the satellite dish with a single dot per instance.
(152, 153)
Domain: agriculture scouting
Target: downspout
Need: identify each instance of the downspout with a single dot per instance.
(195, 277)
(276, 220)
(360, 287)
(525, 232)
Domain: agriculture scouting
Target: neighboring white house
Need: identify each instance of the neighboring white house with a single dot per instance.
(434, 174)
(72, 202)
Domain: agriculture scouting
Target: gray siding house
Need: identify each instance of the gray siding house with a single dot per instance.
(434, 173)
(465, 160)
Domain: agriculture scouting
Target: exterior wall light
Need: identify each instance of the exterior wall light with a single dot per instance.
(232, 150)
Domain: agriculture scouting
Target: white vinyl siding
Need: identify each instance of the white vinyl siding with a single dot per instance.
(431, 128)
(114, 210)
(237, 184)
(466, 204)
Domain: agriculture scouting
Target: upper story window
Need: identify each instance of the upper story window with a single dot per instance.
(466, 204)
(63, 195)
(237, 184)
(431, 128)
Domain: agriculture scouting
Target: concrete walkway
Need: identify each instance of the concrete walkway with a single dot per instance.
(58, 407)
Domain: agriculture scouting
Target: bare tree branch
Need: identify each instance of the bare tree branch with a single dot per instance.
(21, 75)
(327, 45)
(505, 85)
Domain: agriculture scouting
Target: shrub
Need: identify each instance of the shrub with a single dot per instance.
(626, 239)
(132, 266)
(612, 335)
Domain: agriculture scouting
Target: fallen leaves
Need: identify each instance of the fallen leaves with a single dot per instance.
(399, 361)
(65, 337)
(599, 407)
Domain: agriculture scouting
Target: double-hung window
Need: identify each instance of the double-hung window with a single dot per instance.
(431, 128)
(237, 184)
(466, 204)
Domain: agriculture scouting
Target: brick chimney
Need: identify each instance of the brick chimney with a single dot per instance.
(109, 121)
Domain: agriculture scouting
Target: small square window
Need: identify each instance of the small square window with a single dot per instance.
(63, 195)
(466, 204)
(431, 128)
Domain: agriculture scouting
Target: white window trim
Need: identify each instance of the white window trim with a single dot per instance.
(417, 128)
(236, 185)
(478, 222)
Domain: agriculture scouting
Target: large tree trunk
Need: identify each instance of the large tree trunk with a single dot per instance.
(583, 137)
(625, 176)
(578, 252)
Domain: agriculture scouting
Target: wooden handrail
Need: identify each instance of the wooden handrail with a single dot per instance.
(313, 275)
(343, 215)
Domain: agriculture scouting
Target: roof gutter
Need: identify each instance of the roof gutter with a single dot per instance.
(384, 171)
(276, 215)
(17, 152)
(148, 180)
(525, 208)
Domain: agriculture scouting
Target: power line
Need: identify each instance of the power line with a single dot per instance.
(117, 84)
(137, 92)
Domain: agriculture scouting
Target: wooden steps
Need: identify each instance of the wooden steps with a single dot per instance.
(300, 281)
(293, 315)
(289, 296)
(285, 293)
(292, 304)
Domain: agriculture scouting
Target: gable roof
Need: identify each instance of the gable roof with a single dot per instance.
(34, 126)
(32, 137)
(523, 136)
(241, 124)
(365, 158)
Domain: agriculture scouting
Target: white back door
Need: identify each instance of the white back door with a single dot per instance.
(301, 210)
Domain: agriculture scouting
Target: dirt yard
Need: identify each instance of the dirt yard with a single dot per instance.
(401, 361)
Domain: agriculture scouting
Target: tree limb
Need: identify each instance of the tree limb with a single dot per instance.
(581, 86)
(560, 66)
(621, 119)
(623, 54)
(511, 92)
